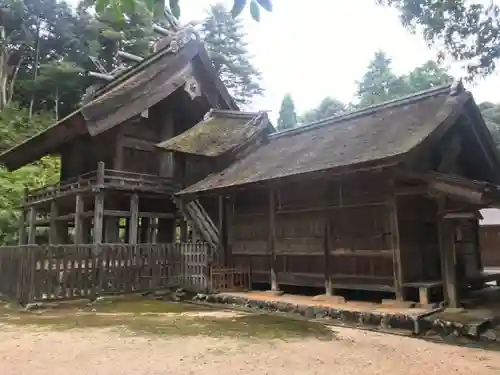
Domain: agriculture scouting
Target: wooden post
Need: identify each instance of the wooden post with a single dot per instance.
(396, 250)
(53, 232)
(79, 208)
(448, 256)
(100, 173)
(31, 226)
(272, 239)
(98, 217)
(134, 219)
(328, 279)
(22, 219)
(220, 227)
(22, 228)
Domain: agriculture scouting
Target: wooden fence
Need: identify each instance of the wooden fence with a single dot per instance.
(57, 272)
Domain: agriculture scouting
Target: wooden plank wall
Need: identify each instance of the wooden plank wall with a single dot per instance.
(490, 245)
(352, 217)
(419, 239)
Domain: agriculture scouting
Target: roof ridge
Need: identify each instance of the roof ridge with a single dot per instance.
(404, 100)
(148, 60)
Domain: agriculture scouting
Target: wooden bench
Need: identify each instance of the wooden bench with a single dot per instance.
(424, 289)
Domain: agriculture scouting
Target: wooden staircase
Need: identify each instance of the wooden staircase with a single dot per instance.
(195, 214)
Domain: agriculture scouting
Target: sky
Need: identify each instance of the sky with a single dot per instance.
(322, 48)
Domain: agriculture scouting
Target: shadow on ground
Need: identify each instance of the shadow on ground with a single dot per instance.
(141, 315)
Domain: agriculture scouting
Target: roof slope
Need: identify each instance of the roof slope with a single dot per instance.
(129, 94)
(372, 134)
(220, 132)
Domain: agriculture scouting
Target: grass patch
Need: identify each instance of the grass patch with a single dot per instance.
(139, 315)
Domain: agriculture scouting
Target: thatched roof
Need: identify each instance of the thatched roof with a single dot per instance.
(132, 92)
(220, 132)
(373, 135)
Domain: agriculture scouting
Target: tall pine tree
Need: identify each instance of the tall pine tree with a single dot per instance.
(288, 117)
(225, 41)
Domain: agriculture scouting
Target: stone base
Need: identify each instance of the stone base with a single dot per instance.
(398, 304)
(329, 299)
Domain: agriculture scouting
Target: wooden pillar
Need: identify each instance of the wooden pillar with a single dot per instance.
(22, 228)
(100, 173)
(79, 208)
(396, 250)
(22, 220)
(327, 241)
(272, 239)
(31, 225)
(220, 227)
(54, 228)
(448, 256)
(98, 217)
(134, 219)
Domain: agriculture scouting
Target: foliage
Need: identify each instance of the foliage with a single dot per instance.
(123, 8)
(224, 38)
(15, 126)
(327, 107)
(287, 118)
(467, 30)
(380, 83)
(491, 114)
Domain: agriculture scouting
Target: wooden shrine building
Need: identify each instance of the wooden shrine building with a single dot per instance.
(116, 180)
(381, 199)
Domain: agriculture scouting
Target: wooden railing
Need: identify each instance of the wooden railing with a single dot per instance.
(103, 178)
(41, 273)
(223, 279)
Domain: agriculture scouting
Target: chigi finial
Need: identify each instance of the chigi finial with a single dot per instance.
(457, 87)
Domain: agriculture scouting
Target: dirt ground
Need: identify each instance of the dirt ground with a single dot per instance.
(30, 351)
(215, 343)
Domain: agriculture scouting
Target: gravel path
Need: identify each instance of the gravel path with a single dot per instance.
(26, 351)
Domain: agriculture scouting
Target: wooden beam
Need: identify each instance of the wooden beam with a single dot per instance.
(31, 226)
(396, 250)
(129, 56)
(272, 239)
(134, 219)
(98, 217)
(79, 207)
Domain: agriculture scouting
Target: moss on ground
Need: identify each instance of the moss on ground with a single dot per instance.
(141, 315)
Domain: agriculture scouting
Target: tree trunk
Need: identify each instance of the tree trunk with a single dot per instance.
(35, 68)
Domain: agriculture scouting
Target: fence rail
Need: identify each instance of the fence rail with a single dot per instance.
(40, 273)
(110, 179)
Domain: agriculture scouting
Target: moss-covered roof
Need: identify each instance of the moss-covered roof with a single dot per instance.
(220, 132)
(374, 134)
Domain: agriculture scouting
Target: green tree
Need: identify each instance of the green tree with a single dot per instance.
(327, 107)
(491, 114)
(15, 126)
(122, 8)
(469, 31)
(224, 38)
(287, 118)
(380, 83)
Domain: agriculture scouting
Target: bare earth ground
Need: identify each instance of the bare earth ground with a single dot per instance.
(178, 342)
(101, 351)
